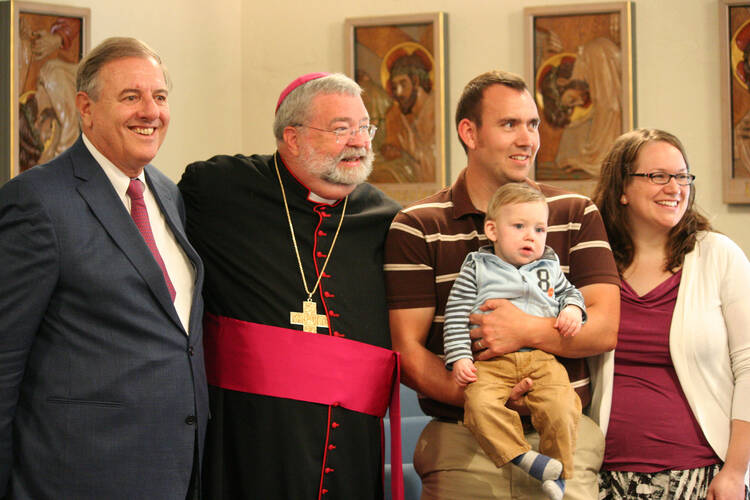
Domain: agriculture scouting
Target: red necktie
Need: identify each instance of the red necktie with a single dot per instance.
(140, 216)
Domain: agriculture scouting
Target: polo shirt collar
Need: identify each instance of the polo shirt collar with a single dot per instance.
(462, 204)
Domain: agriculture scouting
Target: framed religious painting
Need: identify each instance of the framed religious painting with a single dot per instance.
(579, 66)
(39, 61)
(400, 63)
(734, 29)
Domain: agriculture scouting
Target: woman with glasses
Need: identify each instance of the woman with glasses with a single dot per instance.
(674, 398)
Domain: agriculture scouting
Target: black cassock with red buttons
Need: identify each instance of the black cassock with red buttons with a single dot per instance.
(271, 448)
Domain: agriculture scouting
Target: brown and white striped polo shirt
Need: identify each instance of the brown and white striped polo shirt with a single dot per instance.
(429, 240)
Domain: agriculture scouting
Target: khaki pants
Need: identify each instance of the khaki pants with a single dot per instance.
(554, 406)
(453, 466)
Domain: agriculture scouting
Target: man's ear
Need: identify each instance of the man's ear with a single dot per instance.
(291, 139)
(83, 104)
(467, 131)
(490, 229)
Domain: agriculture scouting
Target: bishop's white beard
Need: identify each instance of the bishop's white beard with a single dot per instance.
(327, 167)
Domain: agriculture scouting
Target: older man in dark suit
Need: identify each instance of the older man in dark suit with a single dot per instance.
(102, 381)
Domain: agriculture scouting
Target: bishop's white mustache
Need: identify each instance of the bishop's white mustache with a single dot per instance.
(364, 154)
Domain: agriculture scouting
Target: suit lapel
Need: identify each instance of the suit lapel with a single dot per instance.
(107, 207)
(175, 222)
(169, 207)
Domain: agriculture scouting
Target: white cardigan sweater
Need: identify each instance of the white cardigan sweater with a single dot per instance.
(709, 341)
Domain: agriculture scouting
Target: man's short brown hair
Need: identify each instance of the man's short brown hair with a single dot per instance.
(470, 102)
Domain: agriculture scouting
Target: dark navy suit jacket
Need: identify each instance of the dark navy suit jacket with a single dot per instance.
(102, 391)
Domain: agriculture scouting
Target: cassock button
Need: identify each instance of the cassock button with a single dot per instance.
(190, 420)
(322, 233)
(328, 294)
(326, 275)
(333, 314)
(335, 404)
(328, 470)
(324, 491)
(338, 334)
(331, 446)
(320, 254)
(335, 424)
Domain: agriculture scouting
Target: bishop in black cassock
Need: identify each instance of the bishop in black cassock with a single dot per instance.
(268, 447)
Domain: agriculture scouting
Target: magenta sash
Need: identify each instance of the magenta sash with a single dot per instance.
(292, 364)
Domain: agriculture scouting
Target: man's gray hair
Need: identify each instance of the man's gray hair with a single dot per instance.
(110, 50)
(295, 108)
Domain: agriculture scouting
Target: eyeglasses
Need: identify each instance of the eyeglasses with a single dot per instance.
(662, 178)
(345, 133)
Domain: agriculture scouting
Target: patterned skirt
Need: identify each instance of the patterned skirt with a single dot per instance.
(691, 484)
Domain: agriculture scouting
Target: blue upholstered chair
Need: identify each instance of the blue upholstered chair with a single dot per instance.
(412, 423)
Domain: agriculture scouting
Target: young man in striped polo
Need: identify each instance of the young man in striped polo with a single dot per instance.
(497, 123)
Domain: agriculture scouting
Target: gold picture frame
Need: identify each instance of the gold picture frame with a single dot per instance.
(400, 63)
(579, 67)
(734, 30)
(46, 43)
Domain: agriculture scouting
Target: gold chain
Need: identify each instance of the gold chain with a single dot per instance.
(294, 240)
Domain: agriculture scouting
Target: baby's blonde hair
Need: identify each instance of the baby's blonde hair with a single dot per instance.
(512, 193)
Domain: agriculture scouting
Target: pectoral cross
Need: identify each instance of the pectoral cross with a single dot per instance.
(309, 317)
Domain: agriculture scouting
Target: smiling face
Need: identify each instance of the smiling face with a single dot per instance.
(652, 206)
(329, 168)
(128, 121)
(339, 168)
(508, 139)
(518, 232)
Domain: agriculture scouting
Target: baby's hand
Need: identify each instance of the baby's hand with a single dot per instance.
(569, 321)
(464, 371)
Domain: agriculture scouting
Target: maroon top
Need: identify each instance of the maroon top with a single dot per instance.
(651, 427)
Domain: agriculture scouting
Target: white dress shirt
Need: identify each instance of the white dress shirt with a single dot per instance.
(179, 267)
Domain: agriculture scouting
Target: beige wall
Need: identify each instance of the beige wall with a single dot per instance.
(230, 59)
(677, 69)
(200, 43)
